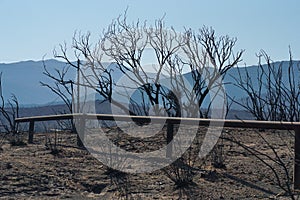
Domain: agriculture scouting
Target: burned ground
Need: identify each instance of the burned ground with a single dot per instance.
(246, 164)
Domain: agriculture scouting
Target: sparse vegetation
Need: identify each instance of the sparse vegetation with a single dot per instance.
(181, 173)
(52, 142)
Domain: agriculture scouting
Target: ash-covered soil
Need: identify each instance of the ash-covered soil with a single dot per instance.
(246, 164)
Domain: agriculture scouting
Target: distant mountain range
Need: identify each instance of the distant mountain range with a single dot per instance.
(23, 80)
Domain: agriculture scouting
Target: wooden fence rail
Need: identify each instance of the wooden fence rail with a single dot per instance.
(189, 121)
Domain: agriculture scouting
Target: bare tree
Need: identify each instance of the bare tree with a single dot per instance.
(9, 111)
(93, 73)
(126, 43)
(208, 57)
(62, 86)
(273, 92)
(89, 59)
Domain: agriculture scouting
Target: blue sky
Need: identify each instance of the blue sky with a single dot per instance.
(31, 29)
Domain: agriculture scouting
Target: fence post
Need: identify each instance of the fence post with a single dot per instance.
(297, 159)
(31, 131)
(170, 129)
(80, 132)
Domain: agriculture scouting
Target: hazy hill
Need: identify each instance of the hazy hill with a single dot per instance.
(234, 91)
(23, 80)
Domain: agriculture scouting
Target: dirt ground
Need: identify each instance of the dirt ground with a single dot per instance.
(246, 164)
